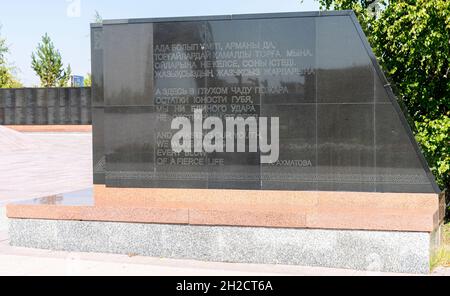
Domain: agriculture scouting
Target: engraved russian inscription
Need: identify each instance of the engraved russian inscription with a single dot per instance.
(271, 103)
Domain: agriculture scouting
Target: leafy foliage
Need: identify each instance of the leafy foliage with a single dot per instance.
(88, 80)
(411, 39)
(7, 79)
(3, 50)
(413, 45)
(47, 63)
(431, 134)
(98, 19)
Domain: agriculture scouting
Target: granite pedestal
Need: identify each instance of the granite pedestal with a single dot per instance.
(368, 232)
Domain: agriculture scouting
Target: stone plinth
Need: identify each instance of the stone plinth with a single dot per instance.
(284, 209)
(406, 252)
(391, 232)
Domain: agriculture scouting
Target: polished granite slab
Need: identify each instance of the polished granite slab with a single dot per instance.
(283, 209)
(341, 128)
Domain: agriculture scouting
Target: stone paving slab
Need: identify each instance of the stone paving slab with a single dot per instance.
(441, 271)
(55, 163)
(3, 220)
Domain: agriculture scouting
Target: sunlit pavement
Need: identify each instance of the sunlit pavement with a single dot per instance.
(51, 163)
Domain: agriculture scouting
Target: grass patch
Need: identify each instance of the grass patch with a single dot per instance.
(442, 256)
(446, 234)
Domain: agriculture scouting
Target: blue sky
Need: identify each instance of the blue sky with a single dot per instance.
(25, 21)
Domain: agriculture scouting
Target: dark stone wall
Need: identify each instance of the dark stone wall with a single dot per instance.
(45, 106)
(98, 111)
(340, 126)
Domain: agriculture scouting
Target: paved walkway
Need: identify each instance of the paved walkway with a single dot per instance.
(39, 164)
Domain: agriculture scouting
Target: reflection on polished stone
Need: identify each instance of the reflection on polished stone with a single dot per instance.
(83, 197)
(128, 48)
(129, 145)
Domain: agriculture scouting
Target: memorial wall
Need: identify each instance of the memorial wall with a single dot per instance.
(45, 106)
(258, 102)
(272, 139)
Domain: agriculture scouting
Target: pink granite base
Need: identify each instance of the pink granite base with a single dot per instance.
(318, 210)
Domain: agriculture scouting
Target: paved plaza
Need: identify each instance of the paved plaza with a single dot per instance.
(41, 164)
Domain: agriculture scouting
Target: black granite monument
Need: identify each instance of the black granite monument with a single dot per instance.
(270, 139)
(340, 126)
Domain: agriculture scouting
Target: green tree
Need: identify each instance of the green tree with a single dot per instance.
(4, 71)
(3, 50)
(7, 79)
(434, 136)
(88, 80)
(98, 18)
(411, 39)
(48, 65)
(12, 82)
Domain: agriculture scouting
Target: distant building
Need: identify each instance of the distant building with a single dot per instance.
(76, 81)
